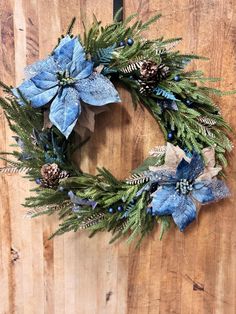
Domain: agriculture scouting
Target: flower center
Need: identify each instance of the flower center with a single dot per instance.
(64, 78)
(183, 186)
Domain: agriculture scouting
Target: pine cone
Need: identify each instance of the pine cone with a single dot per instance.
(150, 74)
(51, 174)
(146, 87)
(163, 72)
(63, 174)
(148, 70)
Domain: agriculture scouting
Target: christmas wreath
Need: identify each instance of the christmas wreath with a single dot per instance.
(60, 97)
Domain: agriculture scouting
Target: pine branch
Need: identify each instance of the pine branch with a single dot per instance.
(164, 221)
(70, 27)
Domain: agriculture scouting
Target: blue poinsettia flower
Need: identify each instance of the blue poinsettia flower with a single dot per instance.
(181, 192)
(63, 79)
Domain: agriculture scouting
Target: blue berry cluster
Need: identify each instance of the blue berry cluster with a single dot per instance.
(112, 210)
(188, 103)
(177, 78)
(170, 135)
(128, 42)
(38, 181)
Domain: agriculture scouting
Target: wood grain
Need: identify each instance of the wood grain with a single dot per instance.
(194, 272)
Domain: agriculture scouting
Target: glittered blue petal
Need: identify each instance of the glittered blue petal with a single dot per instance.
(47, 65)
(162, 176)
(38, 97)
(163, 200)
(184, 213)
(62, 42)
(199, 184)
(65, 110)
(192, 170)
(97, 90)
(196, 166)
(45, 80)
(79, 63)
(69, 54)
(183, 170)
(210, 191)
(85, 70)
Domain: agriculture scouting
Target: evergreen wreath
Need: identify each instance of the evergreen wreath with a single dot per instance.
(60, 97)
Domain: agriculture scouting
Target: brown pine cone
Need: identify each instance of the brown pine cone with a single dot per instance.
(146, 87)
(49, 171)
(51, 174)
(150, 74)
(163, 72)
(148, 70)
(63, 174)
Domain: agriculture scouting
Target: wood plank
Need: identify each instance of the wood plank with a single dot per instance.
(194, 274)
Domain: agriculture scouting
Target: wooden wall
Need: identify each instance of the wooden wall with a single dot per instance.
(194, 272)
